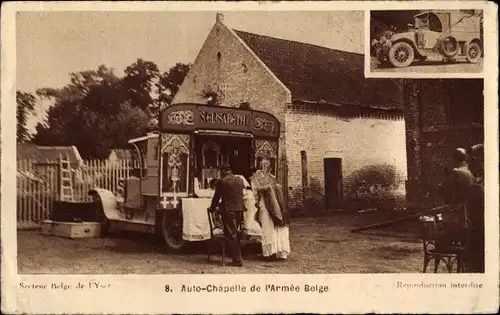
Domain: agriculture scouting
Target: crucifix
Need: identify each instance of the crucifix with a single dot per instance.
(164, 201)
(174, 201)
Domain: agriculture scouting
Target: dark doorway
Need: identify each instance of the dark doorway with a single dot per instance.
(333, 182)
(235, 151)
(241, 156)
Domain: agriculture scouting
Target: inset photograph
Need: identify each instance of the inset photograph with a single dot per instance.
(426, 41)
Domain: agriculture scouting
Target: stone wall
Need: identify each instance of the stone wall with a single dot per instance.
(440, 115)
(359, 141)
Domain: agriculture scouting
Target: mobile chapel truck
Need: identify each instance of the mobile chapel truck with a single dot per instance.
(436, 35)
(178, 163)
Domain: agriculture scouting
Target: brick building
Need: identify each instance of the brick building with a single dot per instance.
(332, 118)
(440, 115)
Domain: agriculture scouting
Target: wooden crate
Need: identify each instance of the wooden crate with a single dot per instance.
(71, 229)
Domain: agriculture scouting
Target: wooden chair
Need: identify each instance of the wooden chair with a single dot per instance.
(432, 230)
(217, 232)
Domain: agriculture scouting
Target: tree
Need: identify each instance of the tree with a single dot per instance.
(169, 83)
(381, 21)
(139, 83)
(92, 112)
(151, 90)
(25, 107)
(98, 111)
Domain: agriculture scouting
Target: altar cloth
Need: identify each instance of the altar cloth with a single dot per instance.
(195, 226)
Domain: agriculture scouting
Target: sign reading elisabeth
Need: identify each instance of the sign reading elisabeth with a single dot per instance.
(190, 117)
(223, 118)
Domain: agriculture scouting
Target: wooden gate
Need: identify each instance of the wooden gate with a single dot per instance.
(38, 185)
(37, 188)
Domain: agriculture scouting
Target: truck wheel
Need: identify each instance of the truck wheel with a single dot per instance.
(100, 216)
(449, 46)
(172, 229)
(401, 55)
(473, 53)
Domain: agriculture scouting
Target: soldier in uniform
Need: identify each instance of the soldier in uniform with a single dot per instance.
(457, 186)
(460, 178)
(229, 189)
(475, 207)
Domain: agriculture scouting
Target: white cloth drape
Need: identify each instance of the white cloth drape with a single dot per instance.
(195, 226)
(275, 239)
(252, 227)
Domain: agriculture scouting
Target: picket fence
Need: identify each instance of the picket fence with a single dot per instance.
(38, 185)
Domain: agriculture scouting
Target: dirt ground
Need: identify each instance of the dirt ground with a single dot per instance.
(431, 67)
(319, 245)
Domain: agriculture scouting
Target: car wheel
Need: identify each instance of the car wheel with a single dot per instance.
(172, 229)
(449, 46)
(401, 55)
(473, 53)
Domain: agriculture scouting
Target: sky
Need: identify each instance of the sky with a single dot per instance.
(50, 45)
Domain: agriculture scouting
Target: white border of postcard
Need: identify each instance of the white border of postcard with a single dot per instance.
(347, 293)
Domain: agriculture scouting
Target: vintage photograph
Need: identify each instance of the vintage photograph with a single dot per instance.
(426, 41)
(245, 149)
(237, 153)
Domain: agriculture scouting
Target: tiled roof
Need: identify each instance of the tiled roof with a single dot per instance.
(323, 75)
(47, 154)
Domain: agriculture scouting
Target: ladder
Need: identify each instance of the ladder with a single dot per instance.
(66, 180)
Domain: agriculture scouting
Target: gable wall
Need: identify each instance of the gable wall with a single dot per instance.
(239, 77)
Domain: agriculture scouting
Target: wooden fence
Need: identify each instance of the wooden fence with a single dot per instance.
(38, 185)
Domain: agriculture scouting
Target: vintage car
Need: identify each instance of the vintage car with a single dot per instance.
(436, 36)
(169, 193)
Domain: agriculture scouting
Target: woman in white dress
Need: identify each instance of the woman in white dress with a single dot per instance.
(274, 217)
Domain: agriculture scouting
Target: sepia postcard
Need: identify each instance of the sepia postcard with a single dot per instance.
(246, 158)
(426, 42)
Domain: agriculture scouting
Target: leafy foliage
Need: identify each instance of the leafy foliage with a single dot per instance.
(25, 107)
(98, 111)
(398, 21)
(375, 178)
(170, 82)
(376, 187)
(139, 82)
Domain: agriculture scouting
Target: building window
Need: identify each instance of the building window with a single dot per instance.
(219, 56)
(304, 171)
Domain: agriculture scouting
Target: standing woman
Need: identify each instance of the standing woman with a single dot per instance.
(274, 217)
